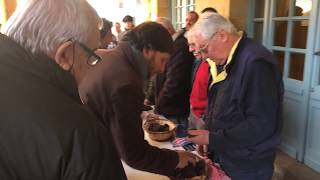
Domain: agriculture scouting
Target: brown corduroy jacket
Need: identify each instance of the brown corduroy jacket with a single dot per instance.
(114, 91)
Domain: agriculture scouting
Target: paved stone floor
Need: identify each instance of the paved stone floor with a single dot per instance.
(287, 168)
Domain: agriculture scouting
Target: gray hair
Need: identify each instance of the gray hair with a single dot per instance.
(165, 22)
(209, 23)
(42, 25)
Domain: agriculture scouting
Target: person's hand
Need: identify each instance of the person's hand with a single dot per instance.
(185, 158)
(200, 137)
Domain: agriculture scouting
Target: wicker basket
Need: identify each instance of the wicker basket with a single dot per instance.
(160, 136)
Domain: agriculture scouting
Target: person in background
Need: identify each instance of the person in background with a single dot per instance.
(129, 24)
(191, 19)
(173, 87)
(113, 42)
(243, 115)
(105, 33)
(118, 30)
(46, 132)
(200, 80)
(114, 91)
(209, 9)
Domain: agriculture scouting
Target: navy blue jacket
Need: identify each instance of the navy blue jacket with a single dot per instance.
(243, 114)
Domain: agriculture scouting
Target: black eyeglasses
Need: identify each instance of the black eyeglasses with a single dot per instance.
(93, 58)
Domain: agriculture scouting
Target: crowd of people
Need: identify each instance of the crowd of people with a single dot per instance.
(73, 94)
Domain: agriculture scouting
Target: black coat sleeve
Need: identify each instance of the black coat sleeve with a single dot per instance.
(173, 97)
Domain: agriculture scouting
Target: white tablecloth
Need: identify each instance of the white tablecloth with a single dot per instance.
(134, 174)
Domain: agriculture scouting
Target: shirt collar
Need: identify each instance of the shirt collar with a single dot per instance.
(213, 67)
(233, 49)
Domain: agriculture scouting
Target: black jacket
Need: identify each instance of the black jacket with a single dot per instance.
(173, 87)
(45, 131)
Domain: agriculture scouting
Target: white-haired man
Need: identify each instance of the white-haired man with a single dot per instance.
(200, 79)
(244, 100)
(46, 132)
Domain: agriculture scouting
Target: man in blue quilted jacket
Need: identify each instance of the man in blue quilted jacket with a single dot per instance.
(244, 100)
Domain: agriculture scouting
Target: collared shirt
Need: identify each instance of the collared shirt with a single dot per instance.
(216, 76)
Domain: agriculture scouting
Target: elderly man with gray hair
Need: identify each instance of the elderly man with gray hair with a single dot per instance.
(244, 100)
(46, 132)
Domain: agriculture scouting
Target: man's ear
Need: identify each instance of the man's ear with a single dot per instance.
(223, 35)
(147, 53)
(64, 55)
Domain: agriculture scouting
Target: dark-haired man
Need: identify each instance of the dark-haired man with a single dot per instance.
(191, 19)
(129, 24)
(209, 9)
(114, 91)
(173, 87)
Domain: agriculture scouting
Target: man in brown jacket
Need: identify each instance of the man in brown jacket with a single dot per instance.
(114, 91)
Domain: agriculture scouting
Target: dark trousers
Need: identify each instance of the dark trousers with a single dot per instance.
(237, 172)
(259, 174)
